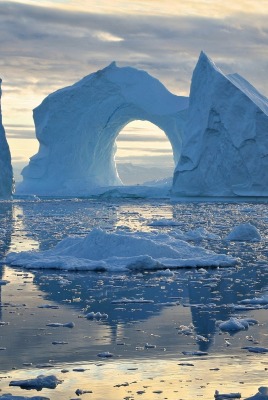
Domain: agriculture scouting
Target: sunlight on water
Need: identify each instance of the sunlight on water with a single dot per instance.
(145, 310)
(172, 379)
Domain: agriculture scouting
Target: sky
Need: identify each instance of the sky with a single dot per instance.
(46, 45)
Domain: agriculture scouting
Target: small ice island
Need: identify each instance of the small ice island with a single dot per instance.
(219, 135)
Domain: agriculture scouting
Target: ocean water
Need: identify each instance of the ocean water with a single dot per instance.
(155, 324)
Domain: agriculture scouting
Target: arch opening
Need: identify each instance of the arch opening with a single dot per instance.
(143, 154)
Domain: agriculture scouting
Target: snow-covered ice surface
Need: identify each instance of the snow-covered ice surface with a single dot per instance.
(133, 331)
(102, 251)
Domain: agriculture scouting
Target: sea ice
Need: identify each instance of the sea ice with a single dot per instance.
(195, 353)
(236, 324)
(105, 354)
(101, 250)
(256, 349)
(59, 325)
(244, 233)
(261, 395)
(96, 315)
(225, 145)
(226, 396)
(263, 300)
(42, 381)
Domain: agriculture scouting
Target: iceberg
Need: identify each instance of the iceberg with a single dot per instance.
(225, 143)
(120, 251)
(6, 172)
(77, 127)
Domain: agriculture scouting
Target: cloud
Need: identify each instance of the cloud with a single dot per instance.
(45, 48)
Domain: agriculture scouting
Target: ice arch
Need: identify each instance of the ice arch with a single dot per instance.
(77, 127)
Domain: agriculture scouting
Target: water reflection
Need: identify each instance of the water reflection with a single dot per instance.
(6, 226)
(196, 297)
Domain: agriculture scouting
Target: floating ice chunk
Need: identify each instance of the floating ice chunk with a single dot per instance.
(241, 307)
(256, 300)
(105, 354)
(233, 325)
(101, 250)
(79, 392)
(186, 330)
(42, 381)
(244, 233)
(79, 369)
(166, 272)
(96, 315)
(200, 338)
(261, 395)
(59, 342)
(3, 282)
(219, 396)
(45, 365)
(256, 349)
(149, 346)
(54, 307)
(59, 325)
(195, 353)
(236, 324)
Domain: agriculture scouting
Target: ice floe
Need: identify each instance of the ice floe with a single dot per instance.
(256, 349)
(42, 381)
(226, 396)
(98, 315)
(244, 233)
(261, 395)
(236, 324)
(59, 325)
(104, 251)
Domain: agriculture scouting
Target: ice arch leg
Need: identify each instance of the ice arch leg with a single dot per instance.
(77, 128)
